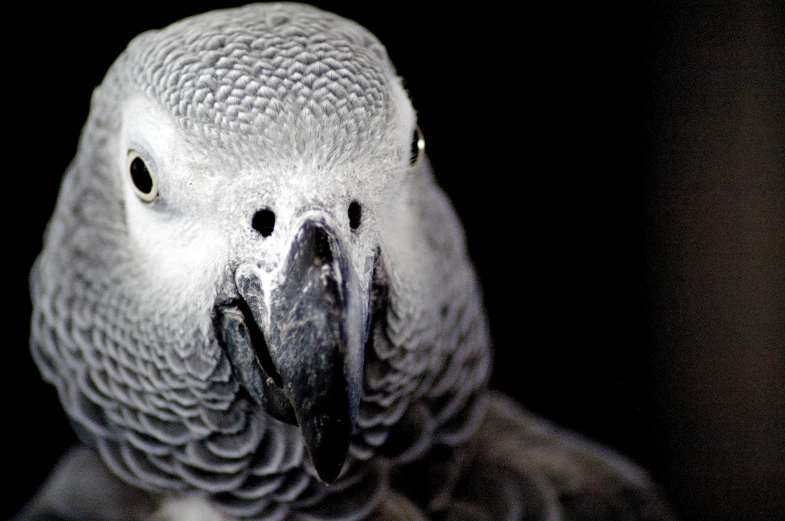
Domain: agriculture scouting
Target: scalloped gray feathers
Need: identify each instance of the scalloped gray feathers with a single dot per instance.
(292, 109)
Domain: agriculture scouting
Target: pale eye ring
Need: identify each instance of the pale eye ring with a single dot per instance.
(142, 177)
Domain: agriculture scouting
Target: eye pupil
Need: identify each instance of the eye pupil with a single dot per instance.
(264, 222)
(141, 177)
(355, 215)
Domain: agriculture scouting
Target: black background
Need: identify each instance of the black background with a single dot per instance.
(620, 173)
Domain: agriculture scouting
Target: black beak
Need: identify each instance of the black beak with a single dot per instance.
(305, 367)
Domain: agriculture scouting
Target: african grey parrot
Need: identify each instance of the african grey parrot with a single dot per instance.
(255, 302)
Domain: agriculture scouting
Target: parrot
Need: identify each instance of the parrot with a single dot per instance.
(255, 302)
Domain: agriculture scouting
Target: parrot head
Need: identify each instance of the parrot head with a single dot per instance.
(242, 184)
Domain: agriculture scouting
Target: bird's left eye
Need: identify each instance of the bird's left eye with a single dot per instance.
(142, 177)
(417, 147)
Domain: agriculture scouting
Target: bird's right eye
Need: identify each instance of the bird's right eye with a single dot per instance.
(142, 177)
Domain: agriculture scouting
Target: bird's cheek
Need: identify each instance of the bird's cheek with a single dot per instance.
(177, 257)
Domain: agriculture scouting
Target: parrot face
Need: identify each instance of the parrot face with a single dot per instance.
(284, 232)
(245, 267)
(286, 250)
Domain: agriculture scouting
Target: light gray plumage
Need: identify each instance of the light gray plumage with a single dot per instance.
(148, 315)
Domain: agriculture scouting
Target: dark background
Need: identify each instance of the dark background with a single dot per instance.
(621, 176)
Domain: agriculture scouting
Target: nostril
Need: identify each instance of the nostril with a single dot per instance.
(263, 222)
(355, 215)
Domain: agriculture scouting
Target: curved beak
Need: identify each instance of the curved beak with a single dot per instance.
(302, 358)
